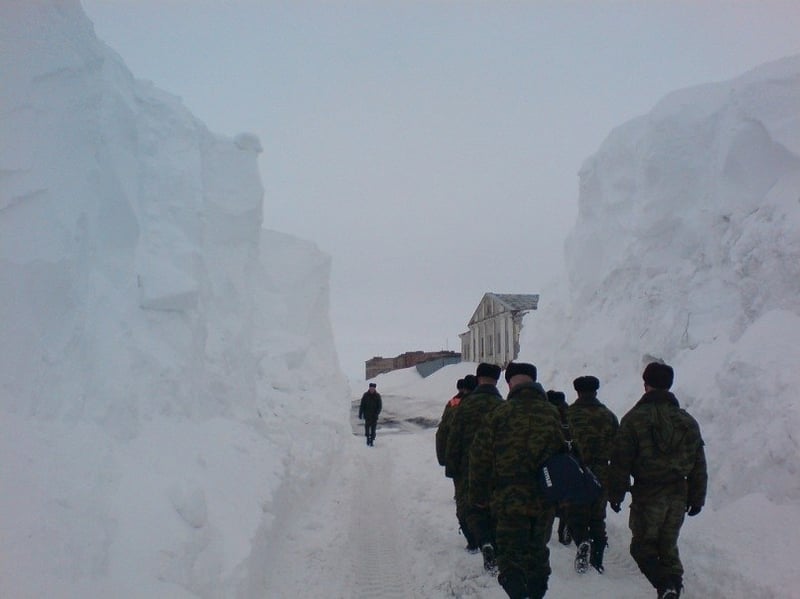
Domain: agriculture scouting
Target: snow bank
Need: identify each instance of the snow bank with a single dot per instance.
(167, 364)
(686, 249)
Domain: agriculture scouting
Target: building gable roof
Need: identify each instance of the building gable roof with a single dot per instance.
(511, 302)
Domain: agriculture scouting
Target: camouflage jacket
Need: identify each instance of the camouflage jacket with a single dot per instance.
(444, 428)
(465, 422)
(593, 427)
(660, 446)
(507, 452)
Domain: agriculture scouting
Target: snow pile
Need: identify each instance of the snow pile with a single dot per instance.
(686, 249)
(166, 362)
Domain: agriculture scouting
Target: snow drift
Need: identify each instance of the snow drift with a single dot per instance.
(687, 249)
(166, 363)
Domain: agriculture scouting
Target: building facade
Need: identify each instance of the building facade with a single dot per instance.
(494, 328)
(380, 365)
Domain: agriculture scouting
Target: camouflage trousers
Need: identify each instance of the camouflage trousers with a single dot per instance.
(475, 522)
(655, 522)
(588, 521)
(522, 548)
(462, 508)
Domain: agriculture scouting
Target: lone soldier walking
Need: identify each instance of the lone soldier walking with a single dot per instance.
(660, 445)
(467, 419)
(369, 410)
(508, 451)
(593, 427)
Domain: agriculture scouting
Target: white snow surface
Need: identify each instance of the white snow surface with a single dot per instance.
(168, 365)
(173, 421)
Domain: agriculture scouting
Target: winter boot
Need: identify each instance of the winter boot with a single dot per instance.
(537, 588)
(582, 557)
(489, 560)
(669, 593)
(472, 544)
(513, 583)
(596, 557)
(564, 536)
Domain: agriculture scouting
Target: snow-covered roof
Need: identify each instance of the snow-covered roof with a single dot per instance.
(512, 302)
(517, 301)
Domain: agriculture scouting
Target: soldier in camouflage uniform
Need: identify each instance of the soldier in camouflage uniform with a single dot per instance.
(505, 457)
(464, 386)
(593, 427)
(466, 420)
(660, 446)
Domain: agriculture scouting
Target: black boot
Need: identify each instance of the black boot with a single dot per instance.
(564, 537)
(596, 558)
(472, 544)
(537, 588)
(513, 583)
(489, 560)
(582, 557)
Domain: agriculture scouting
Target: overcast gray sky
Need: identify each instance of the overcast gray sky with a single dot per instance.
(431, 148)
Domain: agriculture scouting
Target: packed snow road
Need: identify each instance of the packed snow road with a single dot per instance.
(381, 525)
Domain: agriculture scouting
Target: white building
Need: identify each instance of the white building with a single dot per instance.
(493, 334)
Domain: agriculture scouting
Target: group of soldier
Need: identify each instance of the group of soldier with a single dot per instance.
(493, 448)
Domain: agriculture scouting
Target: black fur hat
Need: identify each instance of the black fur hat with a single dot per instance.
(658, 375)
(488, 370)
(515, 368)
(586, 384)
(470, 382)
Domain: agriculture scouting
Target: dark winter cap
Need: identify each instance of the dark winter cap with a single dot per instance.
(658, 375)
(557, 398)
(460, 384)
(490, 371)
(586, 384)
(515, 368)
(470, 382)
(373, 385)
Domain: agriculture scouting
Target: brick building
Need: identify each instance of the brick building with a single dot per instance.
(380, 365)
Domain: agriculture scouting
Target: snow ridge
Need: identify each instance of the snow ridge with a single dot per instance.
(167, 364)
(686, 249)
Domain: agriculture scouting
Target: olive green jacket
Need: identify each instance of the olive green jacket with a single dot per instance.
(660, 446)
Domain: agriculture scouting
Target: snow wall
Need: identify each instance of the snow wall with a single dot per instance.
(168, 374)
(687, 249)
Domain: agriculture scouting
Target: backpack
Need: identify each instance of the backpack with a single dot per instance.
(562, 478)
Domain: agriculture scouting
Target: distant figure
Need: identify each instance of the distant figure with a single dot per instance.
(593, 427)
(519, 435)
(369, 410)
(559, 400)
(464, 386)
(467, 419)
(660, 445)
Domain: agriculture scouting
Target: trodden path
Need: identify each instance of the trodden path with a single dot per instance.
(381, 525)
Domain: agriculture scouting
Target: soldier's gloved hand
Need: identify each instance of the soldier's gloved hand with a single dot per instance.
(693, 510)
(615, 506)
